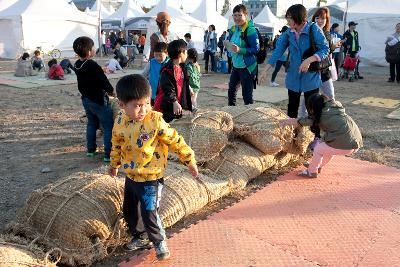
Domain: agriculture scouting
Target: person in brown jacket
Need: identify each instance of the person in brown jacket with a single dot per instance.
(163, 35)
(340, 135)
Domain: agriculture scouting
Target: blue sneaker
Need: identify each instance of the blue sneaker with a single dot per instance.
(162, 251)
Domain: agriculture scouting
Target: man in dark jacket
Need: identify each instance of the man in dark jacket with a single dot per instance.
(351, 45)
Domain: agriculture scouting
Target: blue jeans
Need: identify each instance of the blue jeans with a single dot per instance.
(246, 79)
(98, 114)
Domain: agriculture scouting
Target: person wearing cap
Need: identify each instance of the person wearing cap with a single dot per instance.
(281, 62)
(163, 21)
(352, 46)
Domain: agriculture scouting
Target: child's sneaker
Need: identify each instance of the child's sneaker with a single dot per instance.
(138, 243)
(307, 174)
(306, 164)
(162, 251)
(91, 154)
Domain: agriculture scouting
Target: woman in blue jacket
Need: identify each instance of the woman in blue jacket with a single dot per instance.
(298, 78)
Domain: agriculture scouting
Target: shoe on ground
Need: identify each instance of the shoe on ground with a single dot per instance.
(274, 84)
(137, 244)
(306, 164)
(351, 79)
(360, 77)
(307, 174)
(390, 81)
(91, 154)
(162, 251)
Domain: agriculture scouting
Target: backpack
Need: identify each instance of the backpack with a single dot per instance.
(392, 53)
(262, 53)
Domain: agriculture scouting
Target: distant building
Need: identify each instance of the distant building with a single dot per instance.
(254, 7)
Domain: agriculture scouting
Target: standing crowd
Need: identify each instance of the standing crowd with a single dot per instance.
(139, 138)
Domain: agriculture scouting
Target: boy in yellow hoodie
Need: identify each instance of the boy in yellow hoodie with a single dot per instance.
(140, 143)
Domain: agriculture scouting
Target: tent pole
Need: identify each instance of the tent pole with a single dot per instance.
(100, 35)
(345, 16)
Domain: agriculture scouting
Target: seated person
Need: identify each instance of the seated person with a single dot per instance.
(112, 66)
(24, 67)
(66, 66)
(121, 55)
(37, 61)
(55, 70)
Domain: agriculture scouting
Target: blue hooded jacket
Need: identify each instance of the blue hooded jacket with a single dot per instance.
(296, 81)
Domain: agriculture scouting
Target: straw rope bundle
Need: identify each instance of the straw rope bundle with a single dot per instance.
(259, 126)
(302, 138)
(205, 134)
(114, 105)
(239, 163)
(80, 215)
(17, 252)
(184, 194)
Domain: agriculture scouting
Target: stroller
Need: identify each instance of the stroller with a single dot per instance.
(348, 70)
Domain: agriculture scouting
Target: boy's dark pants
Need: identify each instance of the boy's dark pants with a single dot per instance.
(246, 79)
(140, 208)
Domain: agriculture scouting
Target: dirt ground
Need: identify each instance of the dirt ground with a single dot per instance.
(40, 128)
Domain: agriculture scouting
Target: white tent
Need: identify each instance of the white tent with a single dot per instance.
(267, 18)
(24, 26)
(181, 23)
(6, 3)
(206, 13)
(129, 9)
(376, 20)
(98, 6)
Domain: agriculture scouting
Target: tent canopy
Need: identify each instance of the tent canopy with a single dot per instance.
(98, 6)
(267, 18)
(376, 21)
(206, 13)
(24, 27)
(129, 9)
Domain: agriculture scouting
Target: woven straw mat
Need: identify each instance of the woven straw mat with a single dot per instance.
(79, 215)
(206, 134)
(259, 126)
(240, 163)
(16, 252)
(183, 194)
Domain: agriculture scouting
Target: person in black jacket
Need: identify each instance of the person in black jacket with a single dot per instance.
(94, 88)
(173, 93)
(352, 46)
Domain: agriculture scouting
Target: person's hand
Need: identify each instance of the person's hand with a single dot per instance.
(193, 169)
(263, 76)
(235, 48)
(305, 65)
(177, 108)
(288, 122)
(112, 172)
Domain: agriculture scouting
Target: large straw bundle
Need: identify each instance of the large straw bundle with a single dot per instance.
(302, 138)
(114, 105)
(259, 126)
(184, 194)
(206, 134)
(239, 163)
(79, 215)
(17, 252)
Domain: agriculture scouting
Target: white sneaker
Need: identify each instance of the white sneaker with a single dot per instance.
(274, 84)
